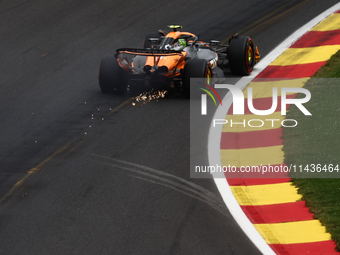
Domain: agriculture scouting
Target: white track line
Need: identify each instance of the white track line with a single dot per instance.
(214, 136)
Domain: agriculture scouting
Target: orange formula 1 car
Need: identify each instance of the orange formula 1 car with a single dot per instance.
(168, 61)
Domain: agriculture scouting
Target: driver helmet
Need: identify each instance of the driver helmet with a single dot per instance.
(180, 44)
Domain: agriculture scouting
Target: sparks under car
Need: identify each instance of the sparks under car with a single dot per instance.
(168, 61)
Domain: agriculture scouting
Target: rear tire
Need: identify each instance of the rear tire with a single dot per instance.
(147, 43)
(241, 55)
(112, 78)
(195, 68)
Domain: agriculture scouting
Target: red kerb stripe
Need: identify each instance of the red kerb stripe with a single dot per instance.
(278, 213)
(251, 139)
(291, 71)
(318, 38)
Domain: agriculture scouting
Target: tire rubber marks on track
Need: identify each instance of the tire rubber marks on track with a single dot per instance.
(167, 180)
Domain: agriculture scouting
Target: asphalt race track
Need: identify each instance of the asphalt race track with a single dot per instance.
(86, 173)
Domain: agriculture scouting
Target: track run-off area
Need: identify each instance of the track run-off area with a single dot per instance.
(270, 210)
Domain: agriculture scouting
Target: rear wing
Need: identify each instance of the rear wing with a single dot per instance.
(149, 52)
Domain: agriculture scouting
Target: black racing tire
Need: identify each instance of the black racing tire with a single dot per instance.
(112, 78)
(241, 55)
(194, 68)
(147, 43)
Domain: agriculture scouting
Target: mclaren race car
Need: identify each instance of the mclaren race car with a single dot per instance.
(168, 61)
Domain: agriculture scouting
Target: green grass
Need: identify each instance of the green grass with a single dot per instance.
(315, 140)
(331, 69)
